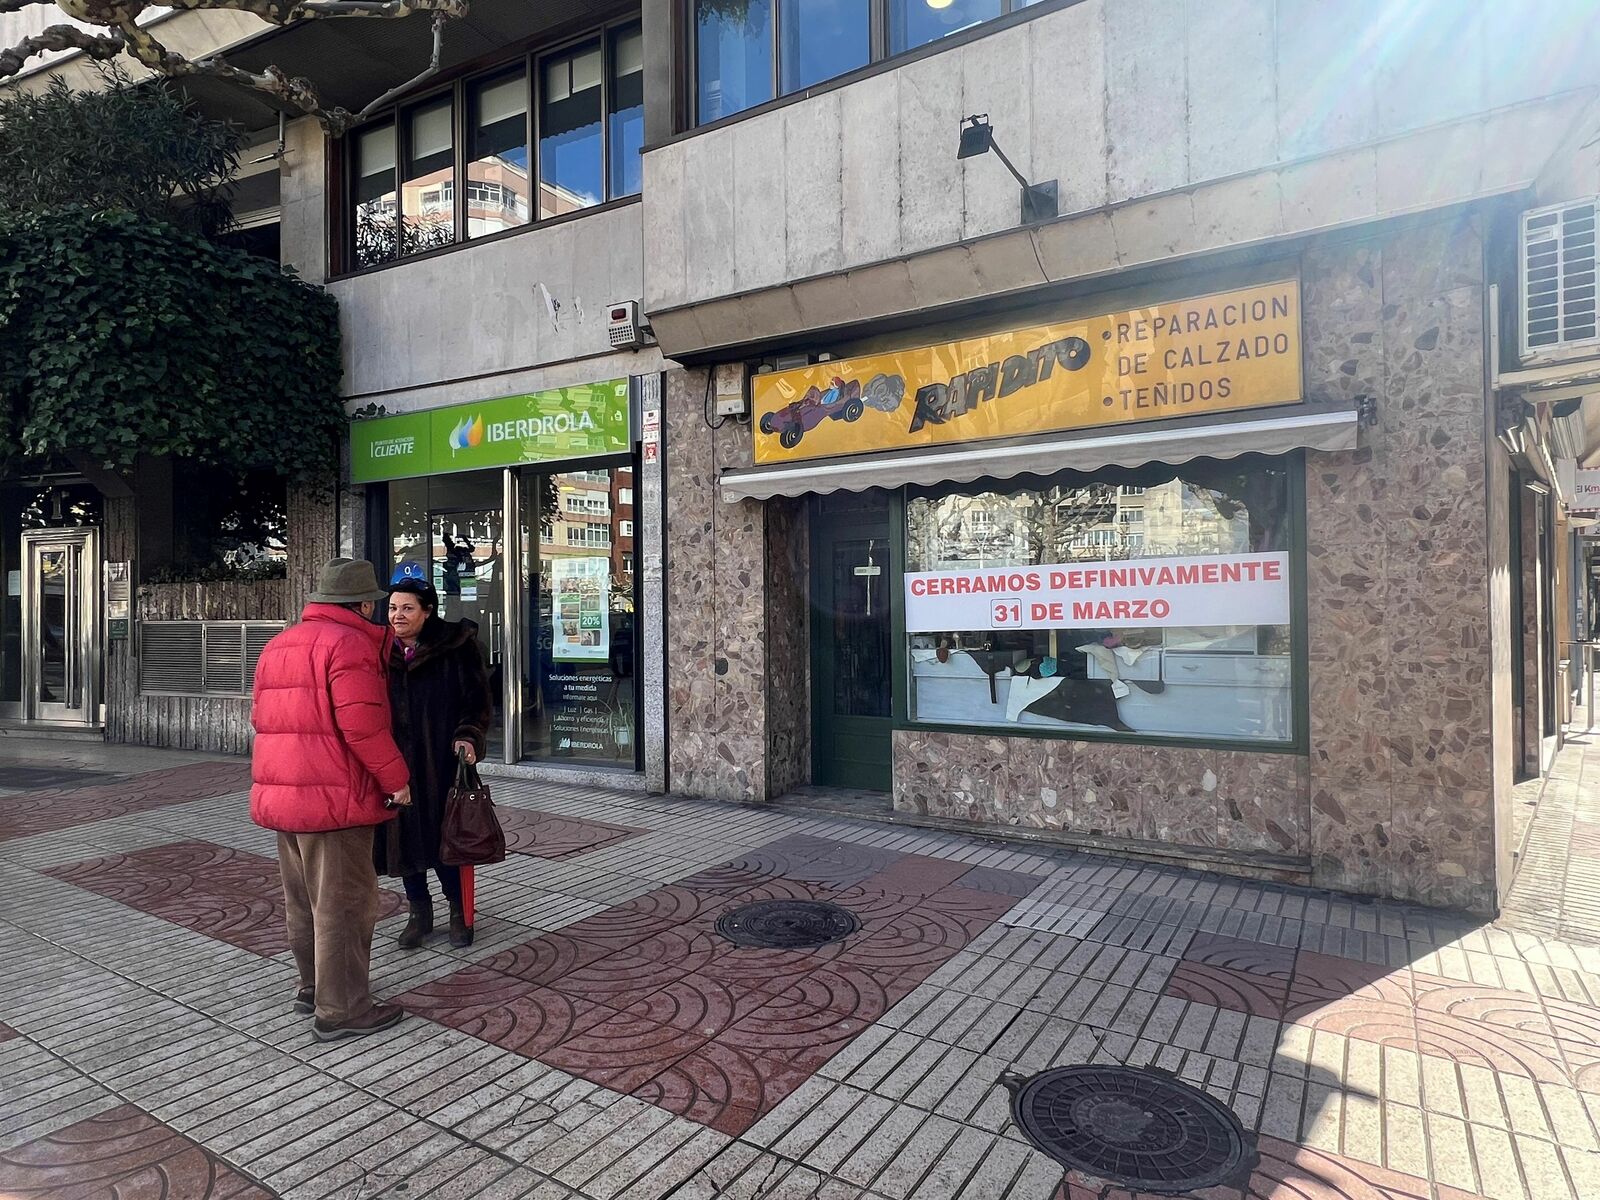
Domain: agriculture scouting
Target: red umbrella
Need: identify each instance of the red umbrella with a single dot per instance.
(469, 895)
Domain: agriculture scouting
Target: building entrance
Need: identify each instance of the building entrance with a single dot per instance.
(60, 627)
(852, 701)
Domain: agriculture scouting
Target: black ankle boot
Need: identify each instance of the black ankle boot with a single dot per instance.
(460, 931)
(418, 927)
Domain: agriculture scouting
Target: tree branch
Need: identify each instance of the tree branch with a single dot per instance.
(101, 47)
(283, 12)
(297, 94)
(426, 73)
(121, 17)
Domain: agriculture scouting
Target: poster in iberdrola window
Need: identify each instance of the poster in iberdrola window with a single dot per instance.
(581, 590)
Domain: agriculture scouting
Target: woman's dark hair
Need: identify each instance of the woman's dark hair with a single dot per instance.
(421, 589)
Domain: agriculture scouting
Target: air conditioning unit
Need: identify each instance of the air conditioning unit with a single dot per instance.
(1558, 268)
(627, 326)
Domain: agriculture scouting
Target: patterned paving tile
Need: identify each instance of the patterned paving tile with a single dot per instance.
(1225, 987)
(124, 1153)
(23, 815)
(7, 1033)
(230, 895)
(1240, 954)
(647, 998)
(554, 836)
(1289, 1172)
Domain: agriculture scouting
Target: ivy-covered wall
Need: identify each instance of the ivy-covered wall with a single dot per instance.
(121, 335)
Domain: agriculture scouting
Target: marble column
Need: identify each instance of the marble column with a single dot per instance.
(1402, 745)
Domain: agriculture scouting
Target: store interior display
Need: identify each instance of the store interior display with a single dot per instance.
(1226, 682)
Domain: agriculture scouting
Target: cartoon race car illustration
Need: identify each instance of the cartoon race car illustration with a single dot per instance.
(845, 400)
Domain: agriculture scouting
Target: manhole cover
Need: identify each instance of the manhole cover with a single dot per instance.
(1141, 1129)
(787, 924)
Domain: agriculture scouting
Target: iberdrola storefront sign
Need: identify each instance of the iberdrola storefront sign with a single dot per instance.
(572, 422)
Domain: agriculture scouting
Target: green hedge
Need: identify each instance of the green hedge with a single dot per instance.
(120, 336)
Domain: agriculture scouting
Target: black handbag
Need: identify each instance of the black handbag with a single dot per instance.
(472, 835)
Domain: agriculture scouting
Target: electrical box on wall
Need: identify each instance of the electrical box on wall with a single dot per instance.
(733, 397)
(627, 327)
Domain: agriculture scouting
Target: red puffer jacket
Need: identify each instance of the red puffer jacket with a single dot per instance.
(324, 755)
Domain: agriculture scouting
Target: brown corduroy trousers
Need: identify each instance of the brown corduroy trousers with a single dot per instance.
(331, 891)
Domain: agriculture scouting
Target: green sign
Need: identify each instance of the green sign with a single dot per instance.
(572, 422)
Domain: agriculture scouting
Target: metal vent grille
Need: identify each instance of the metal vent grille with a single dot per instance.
(256, 638)
(170, 658)
(201, 658)
(1558, 277)
(224, 655)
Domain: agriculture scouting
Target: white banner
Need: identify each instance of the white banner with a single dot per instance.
(1226, 589)
(1586, 489)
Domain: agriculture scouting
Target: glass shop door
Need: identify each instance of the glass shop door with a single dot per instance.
(468, 572)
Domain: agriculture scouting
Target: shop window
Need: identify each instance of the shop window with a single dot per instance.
(429, 165)
(1177, 625)
(580, 691)
(498, 188)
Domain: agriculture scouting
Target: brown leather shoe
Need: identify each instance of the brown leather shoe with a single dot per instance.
(305, 1001)
(375, 1019)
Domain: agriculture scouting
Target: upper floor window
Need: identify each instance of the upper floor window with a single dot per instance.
(748, 52)
(413, 188)
(914, 23)
(498, 188)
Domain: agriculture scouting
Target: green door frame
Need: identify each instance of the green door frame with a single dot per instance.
(830, 730)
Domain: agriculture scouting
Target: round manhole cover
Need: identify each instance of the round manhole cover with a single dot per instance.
(787, 924)
(1141, 1129)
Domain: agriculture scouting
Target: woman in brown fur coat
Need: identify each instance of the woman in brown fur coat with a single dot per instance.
(439, 695)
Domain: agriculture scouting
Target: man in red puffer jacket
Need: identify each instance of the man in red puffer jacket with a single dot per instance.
(326, 770)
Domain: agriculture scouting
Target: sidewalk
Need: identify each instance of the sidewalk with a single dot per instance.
(1556, 889)
(605, 1040)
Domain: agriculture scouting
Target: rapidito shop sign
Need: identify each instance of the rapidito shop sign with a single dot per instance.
(571, 422)
(1233, 350)
(1228, 589)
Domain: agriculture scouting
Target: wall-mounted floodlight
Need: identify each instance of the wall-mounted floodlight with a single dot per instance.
(977, 137)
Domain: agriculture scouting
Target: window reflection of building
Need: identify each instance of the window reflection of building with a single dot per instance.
(583, 674)
(1125, 674)
(571, 141)
(407, 188)
(429, 163)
